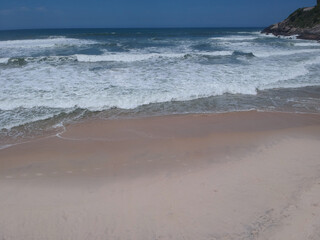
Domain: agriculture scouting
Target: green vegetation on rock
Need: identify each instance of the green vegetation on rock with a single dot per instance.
(303, 18)
(304, 23)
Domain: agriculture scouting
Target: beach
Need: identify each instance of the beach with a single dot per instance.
(158, 133)
(237, 175)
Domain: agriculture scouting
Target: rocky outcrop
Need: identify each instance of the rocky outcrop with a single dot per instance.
(304, 22)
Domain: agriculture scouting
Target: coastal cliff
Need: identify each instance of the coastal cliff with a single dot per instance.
(304, 22)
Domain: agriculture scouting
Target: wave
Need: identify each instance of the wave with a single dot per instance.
(4, 60)
(118, 57)
(264, 99)
(125, 57)
(307, 44)
(88, 58)
(33, 47)
(250, 33)
(21, 61)
(46, 81)
(140, 57)
(21, 115)
(216, 53)
(135, 57)
(245, 54)
(131, 87)
(276, 52)
(43, 43)
(292, 37)
(99, 34)
(235, 38)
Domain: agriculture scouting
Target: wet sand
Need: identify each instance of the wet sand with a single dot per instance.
(246, 175)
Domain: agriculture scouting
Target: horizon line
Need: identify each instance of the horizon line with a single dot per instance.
(70, 28)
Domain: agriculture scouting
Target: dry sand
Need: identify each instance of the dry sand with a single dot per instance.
(228, 176)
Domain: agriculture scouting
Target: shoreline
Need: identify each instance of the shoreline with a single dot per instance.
(8, 142)
(239, 175)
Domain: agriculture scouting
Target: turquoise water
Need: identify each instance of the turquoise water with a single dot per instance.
(49, 77)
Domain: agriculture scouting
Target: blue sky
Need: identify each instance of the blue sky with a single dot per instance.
(17, 14)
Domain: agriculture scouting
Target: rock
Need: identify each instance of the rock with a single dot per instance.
(304, 22)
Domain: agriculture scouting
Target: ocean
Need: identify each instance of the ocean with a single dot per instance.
(49, 78)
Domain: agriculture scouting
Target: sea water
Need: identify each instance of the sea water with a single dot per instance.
(50, 77)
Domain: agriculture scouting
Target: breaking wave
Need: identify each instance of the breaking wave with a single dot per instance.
(49, 80)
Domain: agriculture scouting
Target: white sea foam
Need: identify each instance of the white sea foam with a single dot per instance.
(47, 59)
(118, 57)
(4, 60)
(235, 38)
(284, 52)
(292, 37)
(6, 146)
(132, 57)
(127, 57)
(289, 37)
(68, 86)
(17, 48)
(217, 53)
(250, 33)
(43, 43)
(307, 44)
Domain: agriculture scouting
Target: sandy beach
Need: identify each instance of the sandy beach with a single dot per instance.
(241, 175)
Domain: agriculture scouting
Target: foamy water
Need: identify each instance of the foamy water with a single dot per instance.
(54, 73)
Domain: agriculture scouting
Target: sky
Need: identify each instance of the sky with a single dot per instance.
(30, 14)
